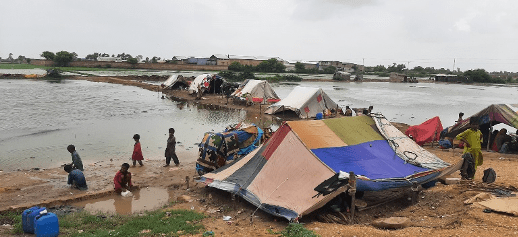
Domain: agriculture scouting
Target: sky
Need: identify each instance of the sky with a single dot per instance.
(459, 34)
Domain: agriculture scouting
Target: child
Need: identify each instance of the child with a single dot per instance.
(170, 150)
(122, 180)
(76, 178)
(76, 160)
(472, 139)
(137, 151)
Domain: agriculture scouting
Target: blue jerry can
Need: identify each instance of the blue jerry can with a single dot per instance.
(28, 218)
(46, 225)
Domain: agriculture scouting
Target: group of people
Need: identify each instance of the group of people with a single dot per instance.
(503, 142)
(122, 179)
(359, 111)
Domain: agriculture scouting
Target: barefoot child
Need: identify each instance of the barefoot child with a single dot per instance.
(137, 151)
(76, 178)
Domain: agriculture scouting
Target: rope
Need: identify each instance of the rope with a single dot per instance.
(253, 213)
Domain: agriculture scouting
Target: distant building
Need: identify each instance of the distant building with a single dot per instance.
(110, 59)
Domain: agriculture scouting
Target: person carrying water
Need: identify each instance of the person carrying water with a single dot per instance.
(76, 160)
(170, 150)
(137, 151)
(76, 178)
(122, 179)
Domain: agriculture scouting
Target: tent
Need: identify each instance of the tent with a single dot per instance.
(306, 102)
(175, 82)
(216, 149)
(488, 117)
(260, 91)
(428, 131)
(208, 83)
(280, 176)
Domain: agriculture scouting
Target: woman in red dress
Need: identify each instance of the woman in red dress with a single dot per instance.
(137, 151)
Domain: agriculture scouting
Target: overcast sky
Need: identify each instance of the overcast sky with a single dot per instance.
(428, 33)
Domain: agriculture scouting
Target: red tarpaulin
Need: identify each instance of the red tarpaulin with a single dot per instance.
(426, 131)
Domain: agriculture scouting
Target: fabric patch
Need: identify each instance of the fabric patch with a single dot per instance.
(306, 109)
(319, 98)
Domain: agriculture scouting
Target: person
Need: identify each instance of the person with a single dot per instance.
(76, 178)
(500, 139)
(460, 118)
(370, 109)
(170, 150)
(76, 160)
(348, 111)
(137, 151)
(122, 180)
(472, 139)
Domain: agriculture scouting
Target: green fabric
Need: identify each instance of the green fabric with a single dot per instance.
(354, 130)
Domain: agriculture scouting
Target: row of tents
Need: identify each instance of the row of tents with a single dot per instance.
(282, 176)
(306, 102)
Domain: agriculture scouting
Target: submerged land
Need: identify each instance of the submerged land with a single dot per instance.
(440, 210)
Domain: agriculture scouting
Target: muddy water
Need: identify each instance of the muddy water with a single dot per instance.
(38, 119)
(145, 199)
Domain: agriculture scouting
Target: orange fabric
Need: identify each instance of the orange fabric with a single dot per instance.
(316, 134)
(289, 177)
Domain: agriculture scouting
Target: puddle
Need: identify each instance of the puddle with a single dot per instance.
(145, 199)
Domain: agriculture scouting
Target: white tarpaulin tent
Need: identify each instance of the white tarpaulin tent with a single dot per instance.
(258, 90)
(305, 101)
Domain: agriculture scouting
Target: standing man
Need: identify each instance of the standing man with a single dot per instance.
(76, 160)
(472, 139)
(170, 150)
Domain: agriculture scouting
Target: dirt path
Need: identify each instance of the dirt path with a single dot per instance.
(439, 212)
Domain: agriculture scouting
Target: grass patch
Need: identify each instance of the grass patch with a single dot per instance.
(296, 230)
(14, 219)
(19, 66)
(177, 222)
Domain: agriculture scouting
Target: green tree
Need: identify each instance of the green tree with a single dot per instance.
(396, 68)
(235, 66)
(478, 75)
(271, 65)
(92, 57)
(329, 70)
(63, 58)
(379, 68)
(300, 67)
(48, 55)
(132, 61)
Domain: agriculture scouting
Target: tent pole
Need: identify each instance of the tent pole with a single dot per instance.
(352, 193)
(489, 135)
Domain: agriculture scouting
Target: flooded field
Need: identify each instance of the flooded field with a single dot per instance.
(40, 118)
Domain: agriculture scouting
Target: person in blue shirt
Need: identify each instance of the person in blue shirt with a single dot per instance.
(76, 178)
(76, 160)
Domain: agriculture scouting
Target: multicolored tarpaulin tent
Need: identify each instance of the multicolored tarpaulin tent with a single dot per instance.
(492, 115)
(305, 101)
(280, 176)
(428, 131)
(208, 83)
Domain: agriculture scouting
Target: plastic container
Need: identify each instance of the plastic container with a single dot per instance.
(28, 217)
(46, 225)
(319, 116)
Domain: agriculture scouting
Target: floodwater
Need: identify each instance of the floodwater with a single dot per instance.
(39, 118)
(145, 199)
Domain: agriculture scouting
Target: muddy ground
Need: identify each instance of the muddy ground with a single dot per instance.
(440, 210)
